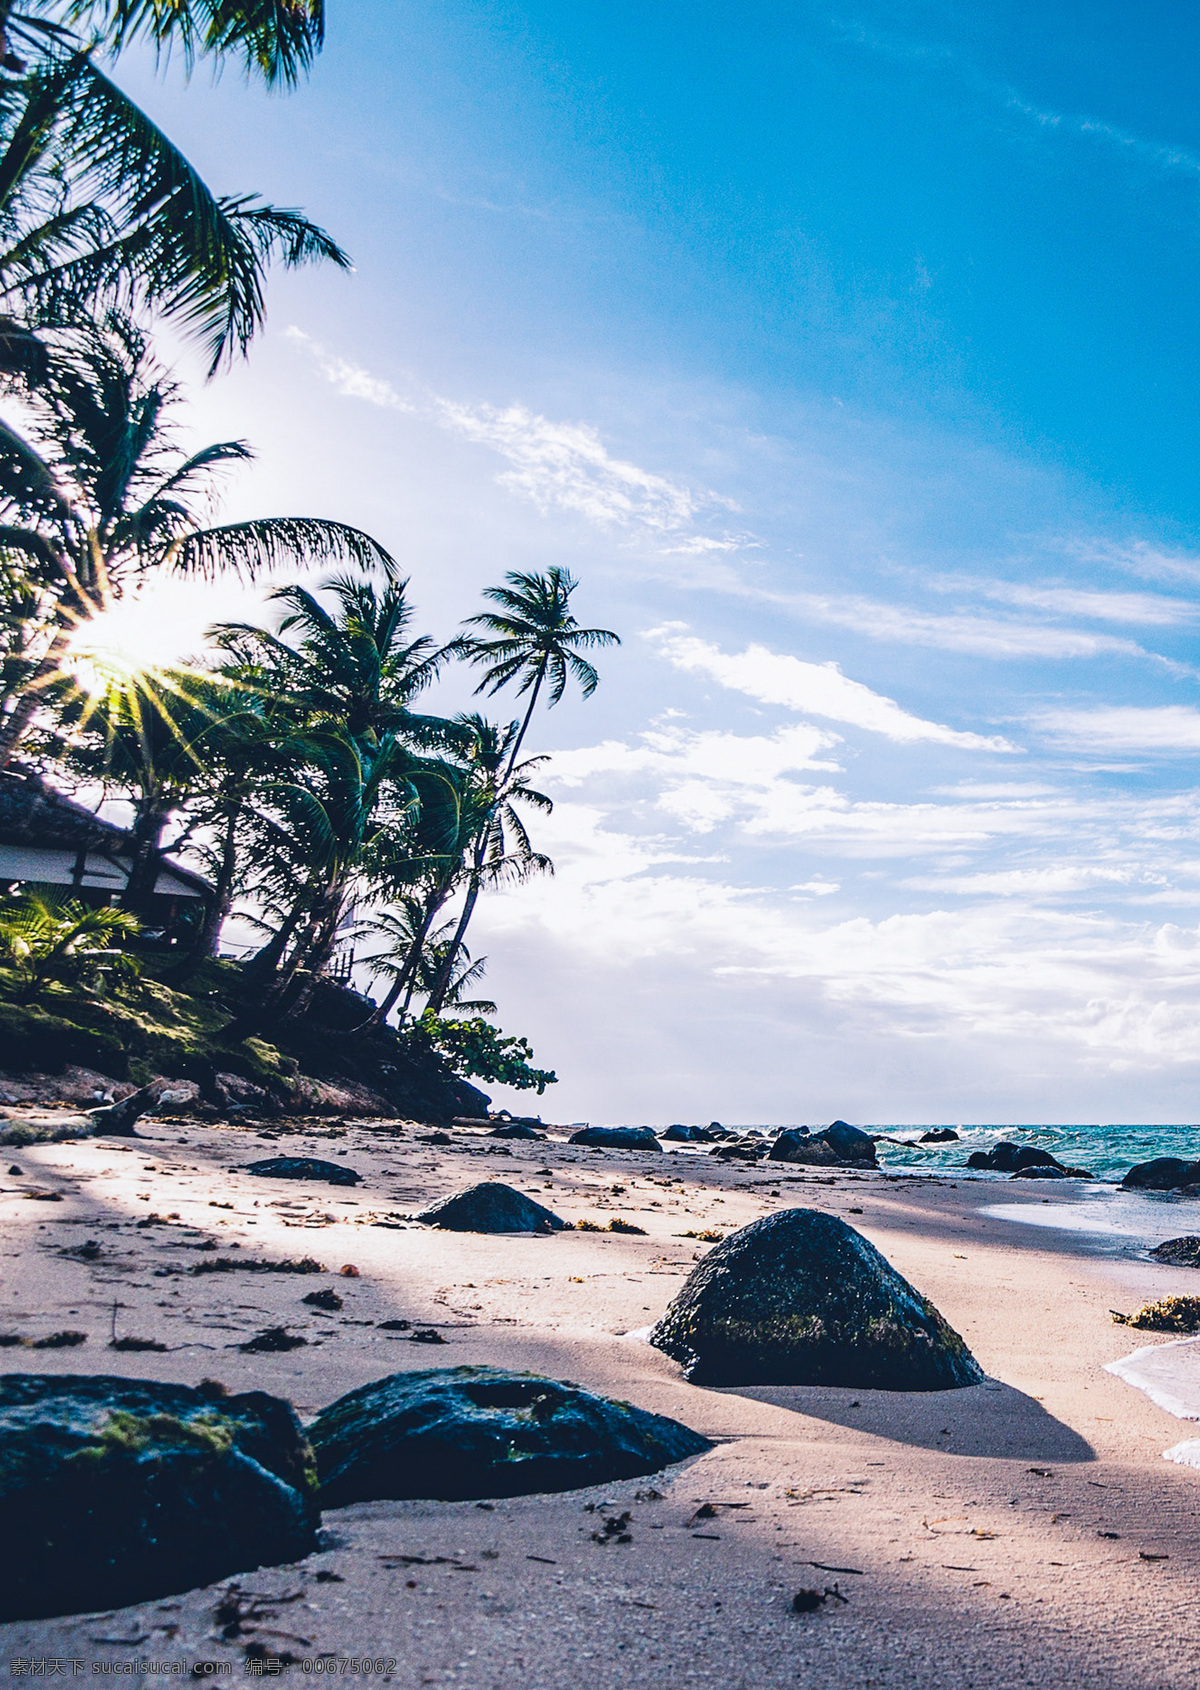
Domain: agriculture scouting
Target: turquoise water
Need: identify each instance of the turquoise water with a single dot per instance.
(1106, 1151)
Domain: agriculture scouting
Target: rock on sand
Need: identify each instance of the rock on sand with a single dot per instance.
(304, 1167)
(462, 1432)
(119, 1490)
(800, 1298)
(616, 1138)
(492, 1207)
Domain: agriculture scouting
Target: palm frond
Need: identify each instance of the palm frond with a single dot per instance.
(277, 39)
(251, 548)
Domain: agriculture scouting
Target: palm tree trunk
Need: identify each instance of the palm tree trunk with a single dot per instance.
(533, 698)
(148, 829)
(445, 973)
(216, 911)
(264, 963)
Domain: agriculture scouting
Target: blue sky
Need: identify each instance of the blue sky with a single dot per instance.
(851, 358)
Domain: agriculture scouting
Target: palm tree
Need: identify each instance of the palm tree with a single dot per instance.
(406, 935)
(99, 498)
(360, 782)
(534, 638)
(501, 849)
(95, 201)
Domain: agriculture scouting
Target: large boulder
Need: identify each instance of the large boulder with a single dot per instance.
(304, 1167)
(491, 1207)
(121, 1490)
(1009, 1158)
(678, 1133)
(616, 1138)
(939, 1135)
(461, 1432)
(1163, 1173)
(800, 1298)
(838, 1145)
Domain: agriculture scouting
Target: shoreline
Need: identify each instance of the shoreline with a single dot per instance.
(979, 1523)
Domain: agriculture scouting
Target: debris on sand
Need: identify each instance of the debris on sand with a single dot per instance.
(122, 1490)
(273, 1339)
(326, 1299)
(1170, 1314)
(801, 1298)
(239, 1264)
(304, 1167)
(464, 1432)
(491, 1207)
(35, 1127)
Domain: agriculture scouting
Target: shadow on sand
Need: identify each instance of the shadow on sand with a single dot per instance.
(991, 1419)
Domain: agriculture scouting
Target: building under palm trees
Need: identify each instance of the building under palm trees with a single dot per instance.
(51, 845)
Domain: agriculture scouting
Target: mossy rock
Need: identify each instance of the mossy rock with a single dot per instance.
(800, 1298)
(33, 1040)
(461, 1432)
(115, 1491)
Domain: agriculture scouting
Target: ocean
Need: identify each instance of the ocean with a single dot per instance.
(1106, 1151)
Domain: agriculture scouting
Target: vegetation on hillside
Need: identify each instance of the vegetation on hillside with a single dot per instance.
(298, 765)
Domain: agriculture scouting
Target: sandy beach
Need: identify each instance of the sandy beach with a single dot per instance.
(1022, 1532)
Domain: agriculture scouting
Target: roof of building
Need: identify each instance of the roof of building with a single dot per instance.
(35, 817)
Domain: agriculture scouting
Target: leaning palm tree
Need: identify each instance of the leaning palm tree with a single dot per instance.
(97, 497)
(501, 849)
(96, 204)
(533, 639)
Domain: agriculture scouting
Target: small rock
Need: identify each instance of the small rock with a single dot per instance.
(466, 1432)
(17, 1173)
(800, 1298)
(1178, 1252)
(304, 1167)
(616, 1138)
(491, 1207)
(939, 1135)
(123, 1490)
(515, 1129)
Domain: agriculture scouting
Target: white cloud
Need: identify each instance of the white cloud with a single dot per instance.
(567, 465)
(817, 689)
(1147, 609)
(556, 465)
(1166, 727)
(979, 636)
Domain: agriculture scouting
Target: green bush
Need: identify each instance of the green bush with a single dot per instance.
(480, 1051)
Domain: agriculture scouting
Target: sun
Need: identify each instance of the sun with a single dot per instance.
(134, 637)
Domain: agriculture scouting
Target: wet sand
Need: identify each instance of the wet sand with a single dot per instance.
(1022, 1532)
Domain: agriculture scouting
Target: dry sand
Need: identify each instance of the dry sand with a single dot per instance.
(1023, 1532)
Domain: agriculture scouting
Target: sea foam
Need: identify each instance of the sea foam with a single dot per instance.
(1170, 1376)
